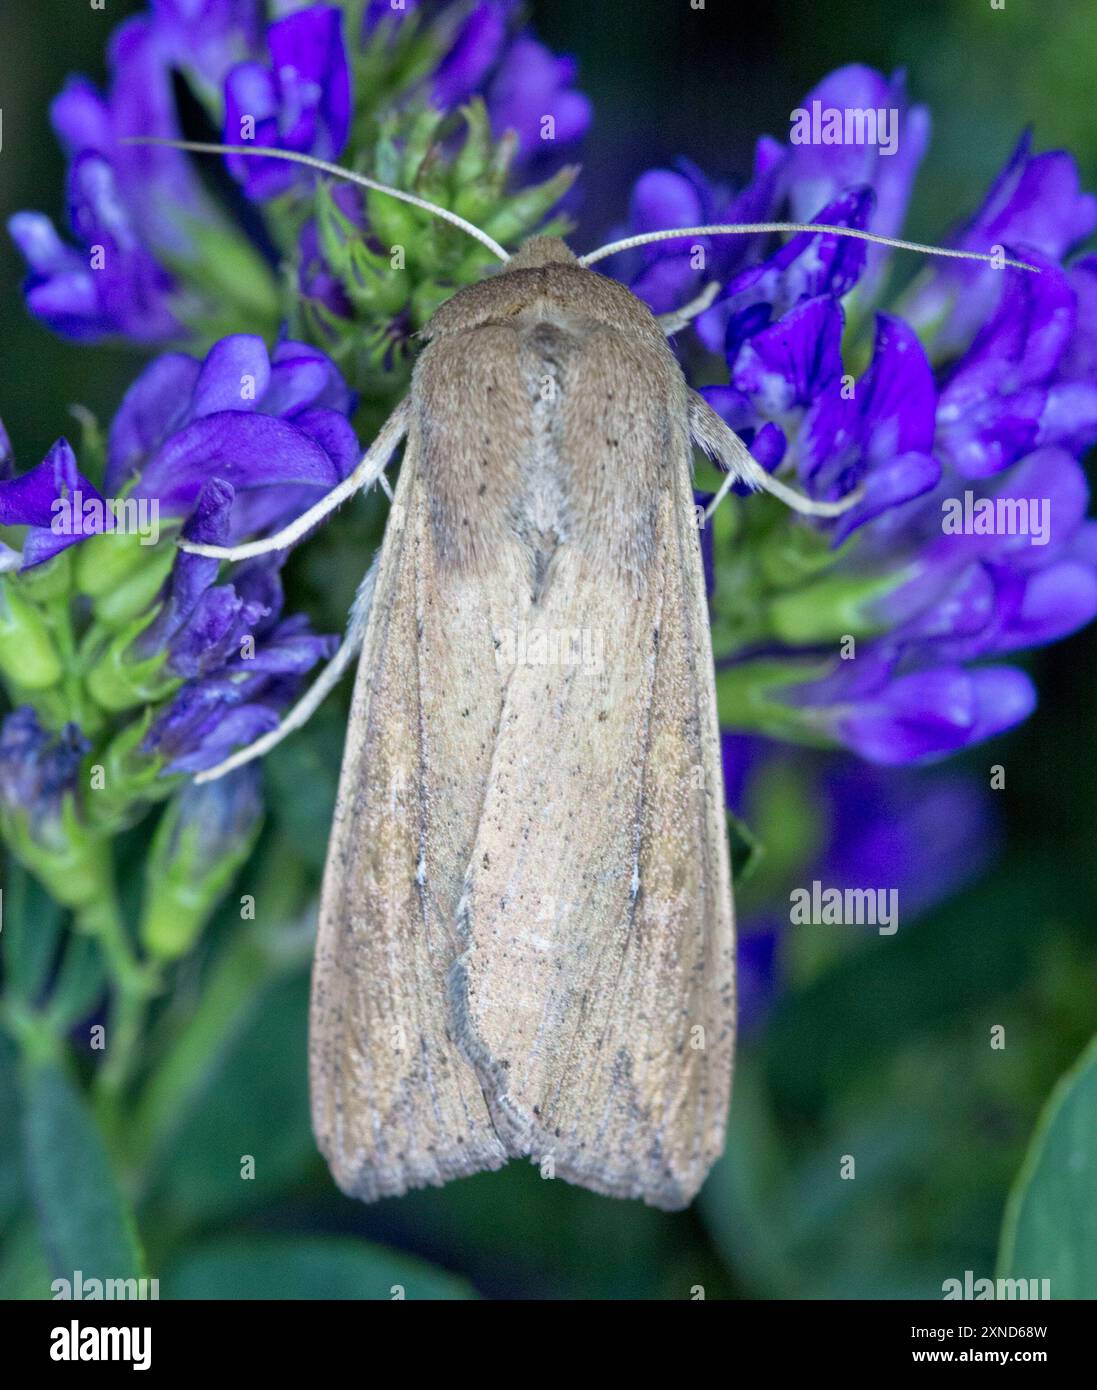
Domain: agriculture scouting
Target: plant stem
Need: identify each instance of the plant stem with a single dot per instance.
(242, 969)
(134, 982)
(60, 622)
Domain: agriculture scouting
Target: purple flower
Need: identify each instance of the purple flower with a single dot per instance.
(920, 715)
(521, 81)
(237, 443)
(532, 94)
(301, 102)
(1080, 360)
(38, 769)
(873, 828)
(116, 286)
(129, 206)
(978, 594)
(809, 265)
(206, 37)
(665, 274)
(200, 624)
(272, 427)
(883, 830)
(31, 500)
(1008, 393)
(815, 174)
(475, 50)
(881, 434)
(243, 699)
(243, 661)
(1035, 203)
(757, 971)
(806, 181)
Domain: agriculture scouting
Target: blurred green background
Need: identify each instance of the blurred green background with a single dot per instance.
(880, 1051)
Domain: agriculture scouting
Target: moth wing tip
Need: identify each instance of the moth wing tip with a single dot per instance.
(369, 1181)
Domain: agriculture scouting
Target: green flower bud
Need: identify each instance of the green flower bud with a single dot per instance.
(50, 581)
(376, 287)
(39, 782)
(28, 656)
(396, 224)
(128, 780)
(749, 696)
(204, 836)
(521, 213)
(121, 575)
(418, 143)
(473, 162)
(833, 607)
(114, 679)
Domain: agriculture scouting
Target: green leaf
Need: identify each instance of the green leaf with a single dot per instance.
(23, 1272)
(213, 1115)
(80, 983)
(259, 1267)
(843, 1024)
(85, 1224)
(517, 1229)
(11, 1178)
(1050, 1227)
(32, 934)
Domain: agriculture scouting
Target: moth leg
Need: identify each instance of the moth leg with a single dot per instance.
(721, 443)
(316, 694)
(677, 319)
(373, 464)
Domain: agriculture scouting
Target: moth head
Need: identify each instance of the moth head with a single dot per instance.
(542, 250)
(545, 277)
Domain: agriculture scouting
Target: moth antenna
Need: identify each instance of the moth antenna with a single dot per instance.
(324, 167)
(753, 228)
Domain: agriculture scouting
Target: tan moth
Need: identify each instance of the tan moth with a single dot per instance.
(526, 946)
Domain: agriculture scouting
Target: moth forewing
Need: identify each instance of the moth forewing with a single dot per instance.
(538, 666)
(594, 993)
(394, 1105)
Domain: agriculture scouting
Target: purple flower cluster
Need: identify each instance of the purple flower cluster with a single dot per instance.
(135, 211)
(234, 445)
(521, 81)
(129, 206)
(978, 388)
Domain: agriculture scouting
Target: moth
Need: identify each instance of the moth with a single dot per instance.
(526, 939)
